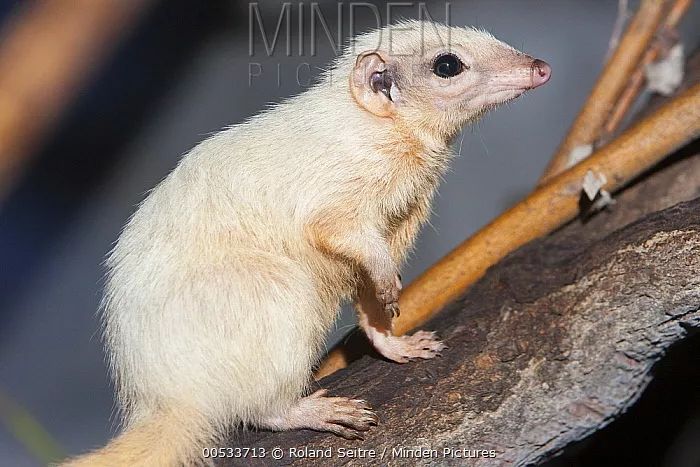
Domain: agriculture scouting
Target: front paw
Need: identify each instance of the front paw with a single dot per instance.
(403, 349)
(388, 295)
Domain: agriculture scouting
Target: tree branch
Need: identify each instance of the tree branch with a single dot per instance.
(548, 347)
(613, 80)
(636, 81)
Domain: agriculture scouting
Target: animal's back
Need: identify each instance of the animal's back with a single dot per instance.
(212, 277)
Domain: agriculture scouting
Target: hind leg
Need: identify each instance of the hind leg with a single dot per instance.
(339, 415)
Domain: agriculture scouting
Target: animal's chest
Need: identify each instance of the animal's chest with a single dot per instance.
(409, 192)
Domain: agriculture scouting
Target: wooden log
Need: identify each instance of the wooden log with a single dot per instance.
(551, 345)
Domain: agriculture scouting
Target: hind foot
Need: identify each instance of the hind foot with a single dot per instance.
(339, 415)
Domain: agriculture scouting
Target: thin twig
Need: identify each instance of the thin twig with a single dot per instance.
(587, 127)
(636, 82)
(543, 211)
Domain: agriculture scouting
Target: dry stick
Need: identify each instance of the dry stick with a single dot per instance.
(636, 82)
(588, 124)
(618, 27)
(547, 208)
(47, 49)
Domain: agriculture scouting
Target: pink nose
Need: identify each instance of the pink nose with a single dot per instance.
(541, 72)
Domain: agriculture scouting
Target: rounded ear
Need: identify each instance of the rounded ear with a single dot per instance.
(371, 84)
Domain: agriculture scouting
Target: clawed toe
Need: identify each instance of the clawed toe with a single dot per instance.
(392, 310)
(340, 415)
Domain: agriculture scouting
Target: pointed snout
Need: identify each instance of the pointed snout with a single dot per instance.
(540, 72)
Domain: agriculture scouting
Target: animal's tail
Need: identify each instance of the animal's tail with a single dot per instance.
(166, 438)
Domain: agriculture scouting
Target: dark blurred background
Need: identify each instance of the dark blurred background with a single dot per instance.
(179, 71)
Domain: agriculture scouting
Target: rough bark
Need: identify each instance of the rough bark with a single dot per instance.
(551, 345)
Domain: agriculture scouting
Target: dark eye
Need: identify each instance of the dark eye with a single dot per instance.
(447, 66)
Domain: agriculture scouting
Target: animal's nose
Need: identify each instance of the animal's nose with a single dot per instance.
(541, 72)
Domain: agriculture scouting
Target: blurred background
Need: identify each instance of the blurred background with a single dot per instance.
(100, 98)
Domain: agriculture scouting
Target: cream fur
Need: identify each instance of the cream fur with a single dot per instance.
(224, 284)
